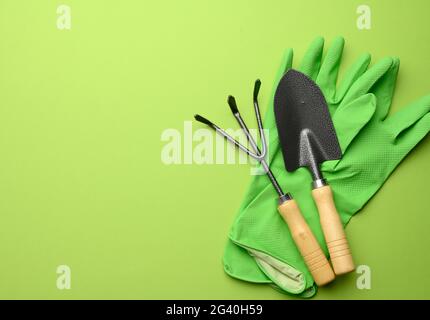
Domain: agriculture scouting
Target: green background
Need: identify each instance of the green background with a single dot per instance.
(82, 112)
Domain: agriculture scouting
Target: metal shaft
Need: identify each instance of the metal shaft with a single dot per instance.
(263, 162)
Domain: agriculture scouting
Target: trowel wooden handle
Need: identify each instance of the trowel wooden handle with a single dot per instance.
(308, 246)
(334, 234)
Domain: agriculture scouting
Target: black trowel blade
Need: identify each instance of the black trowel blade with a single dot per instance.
(306, 132)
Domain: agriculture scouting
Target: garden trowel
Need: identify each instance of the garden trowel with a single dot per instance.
(308, 138)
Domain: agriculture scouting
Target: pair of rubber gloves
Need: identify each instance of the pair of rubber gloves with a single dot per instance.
(260, 248)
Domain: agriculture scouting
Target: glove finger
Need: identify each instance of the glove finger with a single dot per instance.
(311, 62)
(384, 90)
(327, 76)
(407, 116)
(350, 118)
(353, 73)
(368, 79)
(286, 63)
(410, 137)
(269, 119)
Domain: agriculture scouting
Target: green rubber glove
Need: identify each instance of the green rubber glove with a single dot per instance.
(260, 248)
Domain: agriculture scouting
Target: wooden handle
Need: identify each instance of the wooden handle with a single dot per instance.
(334, 234)
(308, 246)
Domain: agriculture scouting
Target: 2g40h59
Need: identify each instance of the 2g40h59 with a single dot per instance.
(236, 309)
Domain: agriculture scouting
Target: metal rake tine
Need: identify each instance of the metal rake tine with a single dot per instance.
(233, 107)
(229, 138)
(257, 86)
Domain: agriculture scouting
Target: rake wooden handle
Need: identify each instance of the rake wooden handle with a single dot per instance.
(308, 246)
(334, 234)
